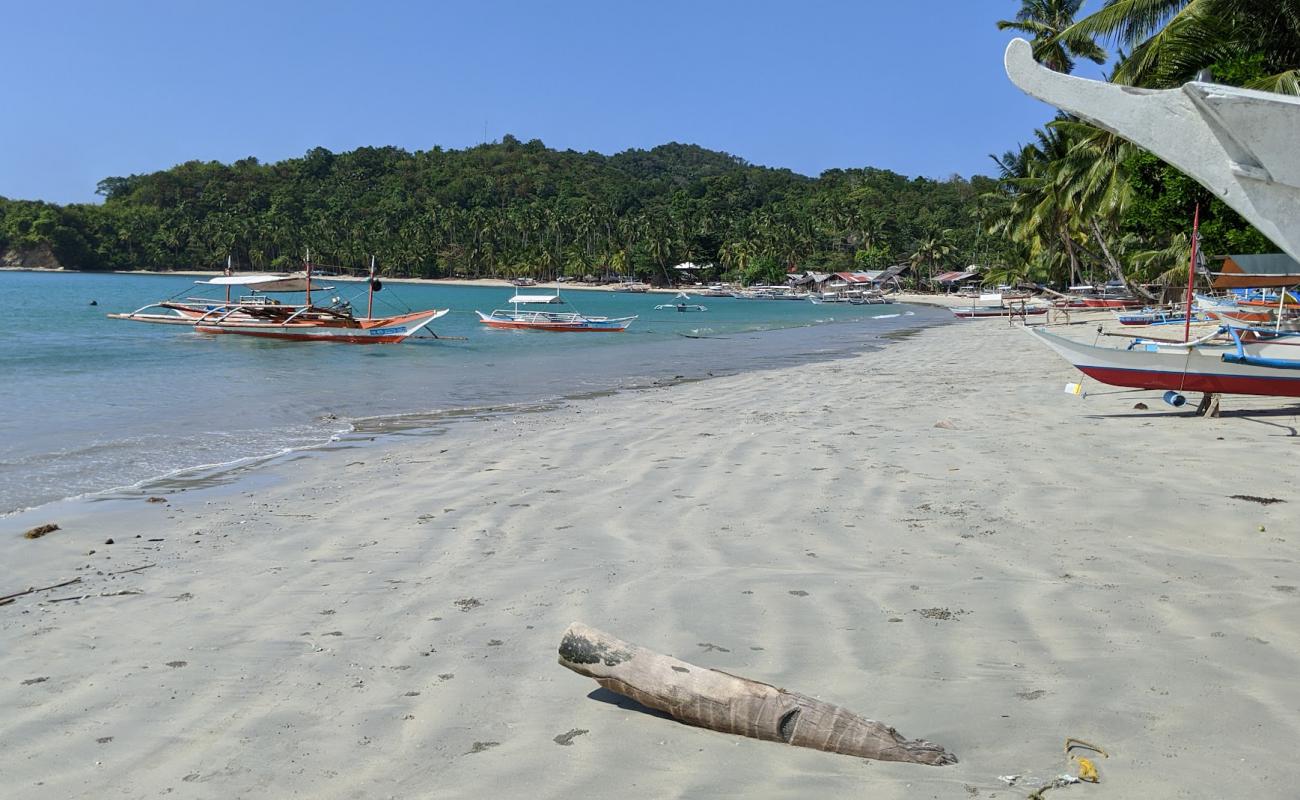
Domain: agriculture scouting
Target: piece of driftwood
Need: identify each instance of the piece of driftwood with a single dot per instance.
(9, 598)
(731, 704)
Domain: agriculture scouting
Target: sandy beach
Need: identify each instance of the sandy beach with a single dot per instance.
(933, 535)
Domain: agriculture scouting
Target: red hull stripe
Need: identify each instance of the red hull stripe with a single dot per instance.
(1112, 303)
(531, 326)
(1195, 382)
(306, 337)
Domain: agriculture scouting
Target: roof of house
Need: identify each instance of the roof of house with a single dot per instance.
(1259, 270)
(857, 277)
(953, 277)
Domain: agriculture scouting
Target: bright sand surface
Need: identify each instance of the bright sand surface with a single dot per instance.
(382, 621)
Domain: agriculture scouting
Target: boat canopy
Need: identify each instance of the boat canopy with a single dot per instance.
(536, 298)
(296, 282)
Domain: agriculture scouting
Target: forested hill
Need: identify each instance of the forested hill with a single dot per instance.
(509, 208)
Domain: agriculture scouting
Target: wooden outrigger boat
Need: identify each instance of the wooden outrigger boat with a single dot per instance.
(1156, 316)
(256, 314)
(1253, 362)
(980, 312)
(557, 321)
(997, 305)
(681, 305)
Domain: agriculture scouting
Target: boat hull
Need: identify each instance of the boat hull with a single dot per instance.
(557, 327)
(1196, 368)
(1109, 302)
(978, 313)
(387, 330)
(556, 323)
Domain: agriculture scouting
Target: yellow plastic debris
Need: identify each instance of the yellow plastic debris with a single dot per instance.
(1087, 770)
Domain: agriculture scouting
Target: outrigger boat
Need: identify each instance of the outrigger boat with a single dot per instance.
(681, 304)
(560, 321)
(256, 314)
(993, 305)
(977, 312)
(1254, 361)
(1156, 316)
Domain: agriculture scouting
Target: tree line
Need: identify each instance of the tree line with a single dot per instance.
(512, 209)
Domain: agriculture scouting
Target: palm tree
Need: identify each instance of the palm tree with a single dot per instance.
(931, 252)
(1041, 217)
(1254, 43)
(1046, 22)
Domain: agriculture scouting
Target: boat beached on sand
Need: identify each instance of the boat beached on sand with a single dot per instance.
(997, 305)
(977, 312)
(1253, 361)
(256, 314)
(517, 318)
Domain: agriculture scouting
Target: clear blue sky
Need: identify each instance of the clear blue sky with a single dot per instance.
(93, 89)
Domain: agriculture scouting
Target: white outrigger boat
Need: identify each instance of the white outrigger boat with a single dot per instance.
(256, 314)
(1253, 361)
(517, 318)
(681, 304)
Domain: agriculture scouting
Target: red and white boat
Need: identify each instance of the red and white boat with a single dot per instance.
(523, 319)
(1110, 295)
(256, 314)
(1253, 362)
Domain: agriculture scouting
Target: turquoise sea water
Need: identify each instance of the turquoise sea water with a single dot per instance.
(91, 404)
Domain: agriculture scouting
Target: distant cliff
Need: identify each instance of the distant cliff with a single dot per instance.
(35, 257)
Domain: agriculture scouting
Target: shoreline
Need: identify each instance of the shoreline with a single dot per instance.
(916, 298)
(420, 422)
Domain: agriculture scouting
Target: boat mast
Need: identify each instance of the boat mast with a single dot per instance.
(1191, 271)
(308, 263)
(370, 294)
(229, 272)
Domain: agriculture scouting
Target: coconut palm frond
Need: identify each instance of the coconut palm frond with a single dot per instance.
(1126, 22)
(1287, 82)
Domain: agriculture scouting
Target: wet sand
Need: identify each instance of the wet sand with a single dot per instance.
(933, 535)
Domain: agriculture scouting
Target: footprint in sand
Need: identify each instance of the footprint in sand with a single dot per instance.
(566, 739)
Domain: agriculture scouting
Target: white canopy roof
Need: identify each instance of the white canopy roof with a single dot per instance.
(536, 298)
(296, 282)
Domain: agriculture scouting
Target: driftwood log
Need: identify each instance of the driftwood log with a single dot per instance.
(722, 702)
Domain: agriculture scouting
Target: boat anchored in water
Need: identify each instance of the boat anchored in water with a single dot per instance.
(681, 304)
(256, 314)
(516, 318)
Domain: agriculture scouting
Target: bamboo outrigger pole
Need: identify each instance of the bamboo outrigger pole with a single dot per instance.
(731, 704)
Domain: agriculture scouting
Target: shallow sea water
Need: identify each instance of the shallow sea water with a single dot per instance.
(89, 404)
